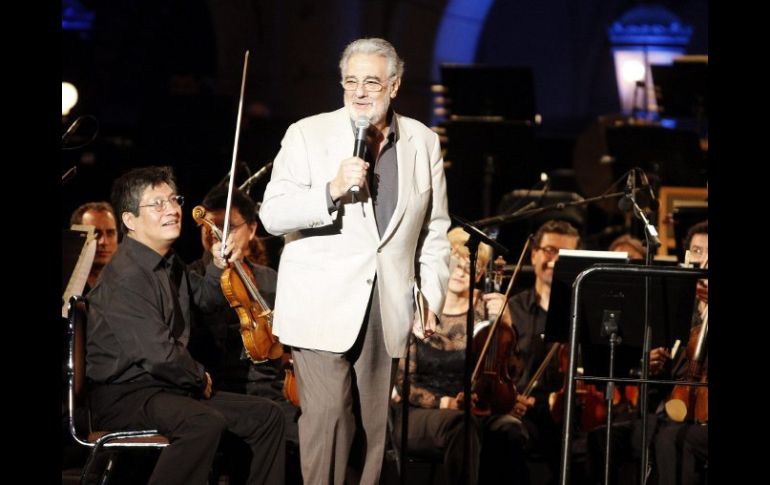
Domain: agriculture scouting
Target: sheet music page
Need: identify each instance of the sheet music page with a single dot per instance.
(77, 282)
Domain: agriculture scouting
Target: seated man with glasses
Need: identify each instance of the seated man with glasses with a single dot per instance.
(351, 265)
(529, 310)
(137, 362)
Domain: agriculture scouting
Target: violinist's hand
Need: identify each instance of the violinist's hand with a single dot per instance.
(495, 302)
(658, 358)
(207, 390)
(523, 404)
(352, 172)
(232, 253)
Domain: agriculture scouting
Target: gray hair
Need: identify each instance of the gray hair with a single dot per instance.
(376, 46)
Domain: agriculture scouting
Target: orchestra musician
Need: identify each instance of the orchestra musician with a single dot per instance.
(436, 370)
(141, 373)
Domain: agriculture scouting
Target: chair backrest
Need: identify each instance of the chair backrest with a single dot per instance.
(78, 414)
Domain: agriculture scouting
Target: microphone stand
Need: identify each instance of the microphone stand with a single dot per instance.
(653, 242)
(246, 186)
(528, 211)
(476, 237)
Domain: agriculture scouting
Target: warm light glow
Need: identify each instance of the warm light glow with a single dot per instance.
(69, 97)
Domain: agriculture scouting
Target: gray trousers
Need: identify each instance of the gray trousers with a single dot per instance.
(345, 396)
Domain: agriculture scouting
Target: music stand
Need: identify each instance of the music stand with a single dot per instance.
(477, 90)
(671, 304)
(486, 159)
(668, 156)
(681, 90)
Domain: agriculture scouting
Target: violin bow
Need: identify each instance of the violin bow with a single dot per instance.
(226, 228)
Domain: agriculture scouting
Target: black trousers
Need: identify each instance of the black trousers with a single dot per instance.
(194, 428)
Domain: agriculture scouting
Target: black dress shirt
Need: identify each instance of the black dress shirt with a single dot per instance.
(529, 319)
(139, 319)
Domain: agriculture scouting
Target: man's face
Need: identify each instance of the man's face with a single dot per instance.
(546, 254)
(242, 232)
(155, 226)
(699, 248)
(367, 69)
(106, 234)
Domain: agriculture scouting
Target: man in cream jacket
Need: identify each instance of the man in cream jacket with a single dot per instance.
(353, 261)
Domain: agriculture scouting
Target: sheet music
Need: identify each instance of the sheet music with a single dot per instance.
(79, 277)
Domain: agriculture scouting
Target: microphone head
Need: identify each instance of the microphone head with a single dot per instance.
(362, 122)
(625, 204)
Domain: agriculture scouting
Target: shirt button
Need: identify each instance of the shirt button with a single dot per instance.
(369, 281)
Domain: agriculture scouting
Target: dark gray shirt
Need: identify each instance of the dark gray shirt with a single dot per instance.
(383, 180)
(139, 319)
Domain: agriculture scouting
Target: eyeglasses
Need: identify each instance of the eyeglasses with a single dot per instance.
(698, 250)
(159, 205)
(233, 227)
(370, 85)
(549, 250)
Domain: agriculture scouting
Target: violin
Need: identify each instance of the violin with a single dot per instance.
(240, 289)
(589, 399)
(495, 345)
(692, 402)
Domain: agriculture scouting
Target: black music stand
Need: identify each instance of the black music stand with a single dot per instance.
(479, 90)
(671, 304)
(668, 156)
(488, 158)
(681, 90)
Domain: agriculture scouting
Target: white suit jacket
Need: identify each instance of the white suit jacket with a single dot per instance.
(329, 261)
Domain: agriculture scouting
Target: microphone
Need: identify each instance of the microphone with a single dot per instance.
(626, 202)
(646, 184)
(359, 149)
(71, 129)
